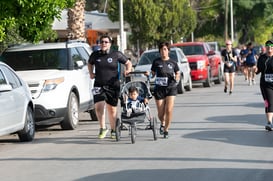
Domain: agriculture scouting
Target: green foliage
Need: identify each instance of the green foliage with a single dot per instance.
(33, 19)
(252, 19)
(98, 5)
(155, 20)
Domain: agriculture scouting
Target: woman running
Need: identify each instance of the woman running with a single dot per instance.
(265, 67)
(167, 75)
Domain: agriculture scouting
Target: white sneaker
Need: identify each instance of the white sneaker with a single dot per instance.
(250, 82)
(253, 82)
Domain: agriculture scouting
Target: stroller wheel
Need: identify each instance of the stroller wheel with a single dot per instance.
(118, 129)
(133, 133)
(154, 127)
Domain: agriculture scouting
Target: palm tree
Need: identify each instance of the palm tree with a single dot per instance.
(76, 24)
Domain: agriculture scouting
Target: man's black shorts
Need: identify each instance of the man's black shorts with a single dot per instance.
(108, 94)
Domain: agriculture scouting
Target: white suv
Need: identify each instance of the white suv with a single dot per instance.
(58, 78)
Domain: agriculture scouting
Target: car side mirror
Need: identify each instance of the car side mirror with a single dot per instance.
(211, 52)
(5, 87)
(79, 64)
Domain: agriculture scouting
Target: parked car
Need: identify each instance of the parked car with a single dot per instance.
(214, 45)
(58, 77)
(147, 58)
(204, 63)
(17, 107)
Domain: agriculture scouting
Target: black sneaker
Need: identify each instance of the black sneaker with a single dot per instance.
(166, 134)
(269, 127)
(161, 129)
(225, 90)
(113, 134)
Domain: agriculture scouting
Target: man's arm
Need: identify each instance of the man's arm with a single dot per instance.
(91, 71)
(128, 67)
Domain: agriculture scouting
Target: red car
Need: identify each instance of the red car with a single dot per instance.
(205, 64)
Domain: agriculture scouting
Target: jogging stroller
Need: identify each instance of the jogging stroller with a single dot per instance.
(135, 117)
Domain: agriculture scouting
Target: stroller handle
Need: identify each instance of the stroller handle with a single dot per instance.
(140, 72)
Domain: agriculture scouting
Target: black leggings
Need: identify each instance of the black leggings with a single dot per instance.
(267, 94)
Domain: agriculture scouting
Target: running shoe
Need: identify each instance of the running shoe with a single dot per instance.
(269, 127)
(253, 82)
(161, 129)
(225, 89)
(113, 134)
(103, 133)
(166, 134)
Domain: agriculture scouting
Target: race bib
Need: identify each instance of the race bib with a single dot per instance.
(161, 81)
(96, 90)
(268, 77)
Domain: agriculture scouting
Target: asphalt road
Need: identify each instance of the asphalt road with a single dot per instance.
(214, 137)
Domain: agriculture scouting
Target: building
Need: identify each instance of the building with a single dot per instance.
(95, 24)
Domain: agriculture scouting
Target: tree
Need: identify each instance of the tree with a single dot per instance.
(155, 20)
(252, 20)
(33, 19)
(98, 5)
(76, 25)
(177, 19)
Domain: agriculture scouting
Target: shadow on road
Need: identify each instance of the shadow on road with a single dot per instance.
(204, 174)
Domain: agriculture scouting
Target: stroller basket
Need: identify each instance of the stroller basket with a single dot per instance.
(133, 118)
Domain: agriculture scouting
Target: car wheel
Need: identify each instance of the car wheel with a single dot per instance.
(207, 83)
(154, 126)
(189, 86)
(118, 129)
(93, 115)
(71, 119)
(219, 78)
(133, 133)
(28, 132)
(180, 86)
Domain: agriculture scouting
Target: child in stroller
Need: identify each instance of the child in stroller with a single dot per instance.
(135, 110)
(136, 103)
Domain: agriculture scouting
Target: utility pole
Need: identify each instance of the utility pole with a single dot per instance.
(226, 19)
(105, 5)
(121, 25)
(231, 21)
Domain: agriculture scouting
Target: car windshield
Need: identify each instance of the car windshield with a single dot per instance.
(212, 46)
(192, 49)
(37, 59)
(148, 57)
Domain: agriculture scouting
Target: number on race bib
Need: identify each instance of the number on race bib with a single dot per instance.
(162, 81)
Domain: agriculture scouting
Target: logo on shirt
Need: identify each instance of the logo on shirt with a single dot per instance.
(98, 60)
(109, 60)
(170, 66)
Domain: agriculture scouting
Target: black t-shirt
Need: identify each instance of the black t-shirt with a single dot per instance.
(265, 67)
(165, 69)
(107, 67)
(226, 53)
